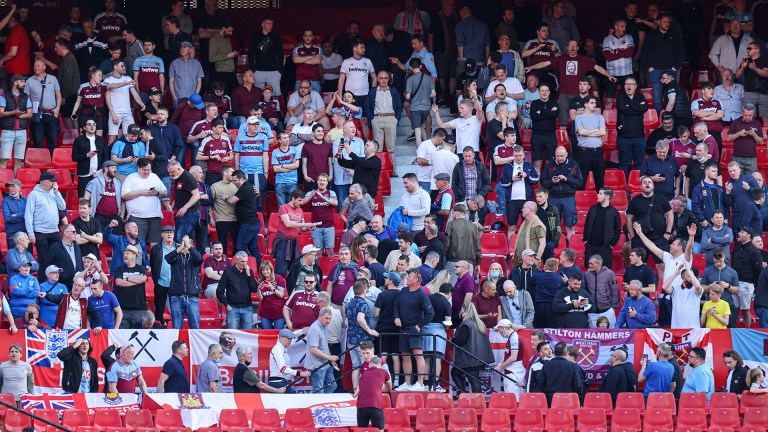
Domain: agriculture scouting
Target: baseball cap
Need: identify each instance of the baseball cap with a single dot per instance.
(131, 248)
(196, 101)
(747, 230)
(45, 175)
(13, 182)
(53, 269)
(443, 177)
(403, 227)
(358, 218)
(168, 228)
(17, 77)
(286, 334)
(470, 63)
(187, 45)
(338, 112)
(393, 276)
(267, 87)
(153, 91)
(504, 323)
(91, 256)
(309, 249)
(134, 129)
(109, 163)
(529, 252)
(253, 120)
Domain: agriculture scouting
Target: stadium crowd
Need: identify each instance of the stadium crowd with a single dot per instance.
(576, 187)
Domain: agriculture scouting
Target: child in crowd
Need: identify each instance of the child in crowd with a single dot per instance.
(271, 109)
(223, 102)
(756, 381)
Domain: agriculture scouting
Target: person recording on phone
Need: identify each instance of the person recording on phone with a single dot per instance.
(573, 304)
(31, 319)
(657, 375)
(638, 311)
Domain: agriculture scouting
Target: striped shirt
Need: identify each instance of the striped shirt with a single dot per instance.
(621, 66)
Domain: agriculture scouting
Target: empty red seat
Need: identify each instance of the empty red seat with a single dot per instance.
(651, 119)
(74, 418)
(232, 418)
(633, 183)
(757, 417)
(693, 401)
(15, 421)
(411, 402)
(396, 418)
(495, 420)
(166, 419)
(585, 200)
(559, 420)
(28, 177)
(104, 418)
(86, 428)
(723, 400)
(507, 401)
(657, 420)
(298, 418)
(63, 179)
(566, 401)
(494, 243)
(529, 419)
(444, 401)
(610, 117)
(62, 158)
(462, 420)
(51, 415)
(386, 161)
(648, 93)
(662, 400)
(599, 400)
(472, 400)
(752, 400)
(691, 419)
(630, 400)
(625, 419)
(725, 418)
(38, 158)
(430, 420)
(265, 419)
(620, 200)
(592, 420)
(533, 401)
(138, 418)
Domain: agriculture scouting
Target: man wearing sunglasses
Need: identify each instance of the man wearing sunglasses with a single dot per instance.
(302, 309)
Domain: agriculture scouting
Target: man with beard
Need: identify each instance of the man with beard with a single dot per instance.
(119, 243)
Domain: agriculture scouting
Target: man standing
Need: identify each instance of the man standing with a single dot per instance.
(184, 290)
(469, 177)
(737, 193)
(213, 267)
(413, 311)
(130, 279)
(663, 50)
(319, 359)
(573, 304)
(517, 179)
(173, 378)
(125, 374)
(621, 377)
(244, 98)
(748, 263)
(638, 310)
(630, 110)
(104, 193)
(209, 376)
(366, 167)
(560, 375)
(280, 372)
(357, 75)
(675, 99)
(383, 108)
(89, 151)
(234, 292)
(719, 274)
(658, 374)
(142, 192)
(185, 75)
(618, 50)
(265, 56)
(121, 88)
(17, 51)
(708, 110)
(15, 112)
(66, 254)
(562, 177)
(244, 378)
(186, 203)
(472, 38)
(41, 216)
(415, 201)
(79, 368)
(602, 228)
(221, 55)
(178, 33)
(700, 379)
(148, 70)
(544, 113)
(746, 134)
(654, 214)
(44, 92)
(730, 95)
(532, 235)
(590, 128)
(601, 285)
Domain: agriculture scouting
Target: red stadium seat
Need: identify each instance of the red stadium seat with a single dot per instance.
(494, 244)
(724, 418)
(691, 419)
(525, 138)
(51, 415)
(693, 401)
(385, 185)
(695, 94)
(210, 429)
(648, 93)
(75, 418)
(232, 418)
(138, 418)
(485, 264)
(265, 419)
(657, 420)
(723, 400)
(610, 118)
(462, 420)
(566, 401)
(620, 200)
(507, 401)
(472, 400)
(83, 428)
(562, 138)
(757, 417)
(662, 400)
(168, 418)
(6, 175)
(529, 419)
(38, 158)
(28, 177)
(585, 200)
(298, 418)
(63, 179)
(599, 400)
(104, 418)
(533, 400)
(651, 119)
(630, 400)
(609, 140)
(559, 420)
(386, 161)
(752, 400)
(444, 401)
(396, 418)
(615, 179)
(430, 420)
(495, 420)
(633, 183)
(592, 420)
(62, 158)
(626, 419)
(15, 421)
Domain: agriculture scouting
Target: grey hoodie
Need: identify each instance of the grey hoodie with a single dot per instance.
(42, 211)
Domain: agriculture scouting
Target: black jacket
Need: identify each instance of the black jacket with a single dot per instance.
(611, 229)
(80, 149)
(663, 50)
(468, 337)
(293, 274)
(761, 290)
(367, 171)
(620, 378)
(629, 115)
(459, 182)
(235, 287)
(73, 371)
(566, 315)
(573, 178)
(559, 376)
(747, 261)
(185, 273)
(58, 254)
(739, 379)
(156, 260)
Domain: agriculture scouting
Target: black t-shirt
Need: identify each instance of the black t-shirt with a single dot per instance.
(658, 135)
(493, 128)
(183, 188)
(695, 172)
(751, 77)
(133, 297)
(577, 102)
(441, 306)
(386, 304)
(643, 273)
(90, 228)
(246, 206)
(211, 22)
(640, 207)
(148, 109)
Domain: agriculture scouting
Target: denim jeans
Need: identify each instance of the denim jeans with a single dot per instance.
(322, 377)
(47, 128)
(283, 192)
(192, 148)
(268, 324)
(240, 318)
(234, 122)
(185, 225)
(314, 84)
(762, 316)
(631, 152)
(280, 383)
(248, 240)
(655, 79)
(501, 193)
(181, 305)
(342, 192)
(425, 185)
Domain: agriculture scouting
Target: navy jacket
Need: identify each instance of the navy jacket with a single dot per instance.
(703, 204)
(59, 255)
(531, 178)
(652, 166)
(573, 178)
(370, 103)
(185, 273)
(170, 136)
(738, 199)
(13, 213)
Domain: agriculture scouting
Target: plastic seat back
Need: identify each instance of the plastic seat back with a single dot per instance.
(104, 418)
(396, 417)
(75, 418)
(559, 420)
(231, 418)
(462, 419)
(566, 401)
(166, 419)
(625, 419)
(444, 401)
(630, 400)
(693, 401)
(265, 418)
(724, 418)
(472, 400)
(752, 400)
(599, 400)
(533, 401)
(51, 415)
(138, 418)
(495, 420)
(411, 402)
(15, 421)
(430, 420)
(723, 400)
(756, 417)
(592, 420)
(662, 401)
(529, 419)
(690, 419)
(298, 417)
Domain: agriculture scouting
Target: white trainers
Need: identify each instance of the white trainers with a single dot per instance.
(418, 388)
(439, 389)
(403, 387)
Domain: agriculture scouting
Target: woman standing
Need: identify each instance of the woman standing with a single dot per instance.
(474, 350)
(272, 297)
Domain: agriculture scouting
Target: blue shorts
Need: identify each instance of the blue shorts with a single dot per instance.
(356, 355)
(324, 238)
(567, 207)
(410, 341)
(434, 344)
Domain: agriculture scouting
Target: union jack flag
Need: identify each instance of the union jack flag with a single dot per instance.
(31, 403)
(44, 345)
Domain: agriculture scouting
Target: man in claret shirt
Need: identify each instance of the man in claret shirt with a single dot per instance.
(110, 24)
(199, 131)
(618, 50)
(302, 309)
(307, 58)
(707, 109)
(540, 50)
(125, 374)
(217, 150)
(149, 70)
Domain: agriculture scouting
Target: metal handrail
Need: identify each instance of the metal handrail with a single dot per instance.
(48, 422)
